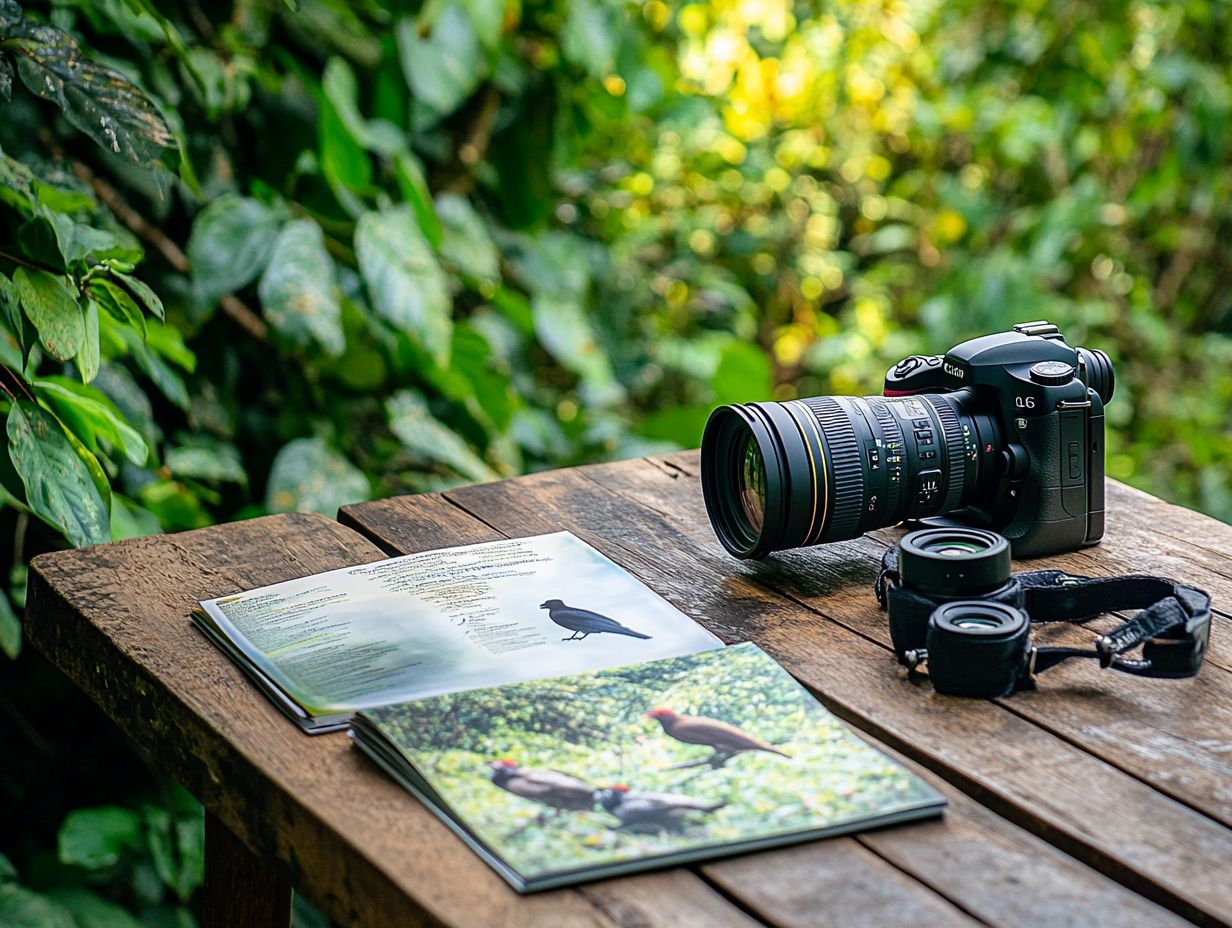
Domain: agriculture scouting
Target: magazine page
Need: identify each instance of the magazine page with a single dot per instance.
(451, 619)
(581, 776)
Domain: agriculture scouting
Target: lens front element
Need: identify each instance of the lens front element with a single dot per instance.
(753, 484)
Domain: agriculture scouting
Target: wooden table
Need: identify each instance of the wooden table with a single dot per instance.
(1099, 799)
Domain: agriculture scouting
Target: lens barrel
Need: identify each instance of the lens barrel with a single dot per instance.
(829, 468)
(977, 648)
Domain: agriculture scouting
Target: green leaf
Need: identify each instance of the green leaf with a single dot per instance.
(466, 242)
(142, 295)
(430, 439)
(10, 644)
(588, 38)
(87, 358)
(10, 13)
(100, 102)
(96, 838)
(563, 329)
(744, 370)
(91, 413)
(219, 462)
(344, 159)
(310, 476)
(488, 18)
(90, 910)
(443, 69)
(414, 188)
(230, 244)
(115, 300)
(50, 305)
(299, 292)
(128, 520)
(405, 282)
(8, 872)
(24, 908)
(60, 484)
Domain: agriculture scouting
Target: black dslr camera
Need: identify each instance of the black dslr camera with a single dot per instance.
(954, 605)
(1004, 431)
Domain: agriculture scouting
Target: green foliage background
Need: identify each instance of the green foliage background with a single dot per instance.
(263, 256)
(593, 727)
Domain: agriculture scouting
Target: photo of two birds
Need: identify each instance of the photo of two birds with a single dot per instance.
(653, 759)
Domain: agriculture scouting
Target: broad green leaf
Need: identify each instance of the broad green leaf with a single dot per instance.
(405, 282)
(91, 414)
(60, 485)
(310, 476)
(98, 837)
(80, 242)
(588, 38)
(90, 910)
(563, 329)
(488, 19)
(87, 359)
(116, 301)
(430, 439)
(230, 244)
(51, 306)
(142, 295)
(10, 644)
(444, 68)
(220, 462)
(466, 242)
(414, 188)
(24, 908)
(299, 292)
(128, 520)
(744, 370)
(13, 340)
(97, 100)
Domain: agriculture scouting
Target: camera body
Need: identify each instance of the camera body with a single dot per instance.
(1046, 488)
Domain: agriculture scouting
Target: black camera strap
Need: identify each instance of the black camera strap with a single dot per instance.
(1173, 625)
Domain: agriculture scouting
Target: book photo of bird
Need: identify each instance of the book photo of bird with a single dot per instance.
(726, 741)
(652, 812)
(559, 791)
(583, 622)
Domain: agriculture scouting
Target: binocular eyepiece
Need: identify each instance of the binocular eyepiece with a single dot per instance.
(954, 604)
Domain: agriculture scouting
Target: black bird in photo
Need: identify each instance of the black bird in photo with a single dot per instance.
(650, 812)
(583, 622)
(559, 791)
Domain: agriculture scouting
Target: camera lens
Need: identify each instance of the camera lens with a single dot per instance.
(976, 648)
(829, 468)
(954, 561)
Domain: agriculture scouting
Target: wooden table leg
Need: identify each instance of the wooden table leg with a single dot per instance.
(241, 890)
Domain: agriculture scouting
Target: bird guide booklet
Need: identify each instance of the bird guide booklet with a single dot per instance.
(556, 781)
(324, 646)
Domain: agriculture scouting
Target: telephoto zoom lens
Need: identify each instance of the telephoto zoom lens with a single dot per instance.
(829, 468)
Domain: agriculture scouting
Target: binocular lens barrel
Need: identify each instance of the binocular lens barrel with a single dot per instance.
(829, 468)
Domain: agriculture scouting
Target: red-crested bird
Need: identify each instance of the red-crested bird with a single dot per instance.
(652, 811)
(559, 791)
(725, 740)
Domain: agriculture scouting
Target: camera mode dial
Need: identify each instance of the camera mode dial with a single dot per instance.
(1052, 373)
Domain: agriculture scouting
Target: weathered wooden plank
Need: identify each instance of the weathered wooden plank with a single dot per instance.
(1174, 735)
(241, 890)
(1120, 825)
(115, 618)
(1018, 879)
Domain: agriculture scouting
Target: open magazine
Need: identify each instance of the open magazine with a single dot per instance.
(453, 619)
(591, 775)
(563, 719)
